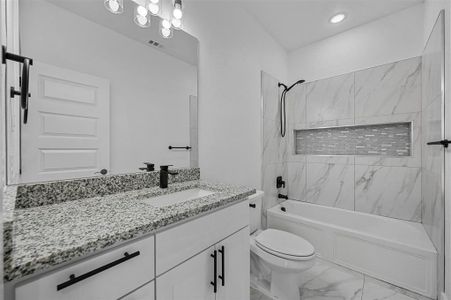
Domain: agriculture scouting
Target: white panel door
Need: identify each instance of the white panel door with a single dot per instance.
(190, 280)
(67, 134)
(234, 282)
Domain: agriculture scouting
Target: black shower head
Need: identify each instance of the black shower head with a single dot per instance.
(296, 83)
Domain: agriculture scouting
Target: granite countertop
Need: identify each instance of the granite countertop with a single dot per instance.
(39, 238)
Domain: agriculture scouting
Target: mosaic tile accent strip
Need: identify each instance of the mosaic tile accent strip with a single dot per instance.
(393, 139)
(39, 194)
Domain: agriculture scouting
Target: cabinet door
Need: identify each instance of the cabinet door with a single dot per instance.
(233, 266)
(190, 280)
(146, 292)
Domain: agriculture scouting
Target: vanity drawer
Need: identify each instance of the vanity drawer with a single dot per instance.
(113, 274)
(179, 243)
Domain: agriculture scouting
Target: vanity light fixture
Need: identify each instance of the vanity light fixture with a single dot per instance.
(114, 6)
(177, 12)
(165, 29)
(154, 7)
(337, 18)
(147, 8)
(142, 17)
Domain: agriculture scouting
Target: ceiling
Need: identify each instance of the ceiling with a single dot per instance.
(296, 23)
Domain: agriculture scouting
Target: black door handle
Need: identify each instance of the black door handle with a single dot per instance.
(74, 279)
(25, 78)
(222, 276)
(444, 143)
(214, 283)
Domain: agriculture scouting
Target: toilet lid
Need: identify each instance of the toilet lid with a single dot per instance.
(285, 243)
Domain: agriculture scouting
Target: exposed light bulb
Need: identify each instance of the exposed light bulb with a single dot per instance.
(114, 6)
(155, 1)
(166, 32)
(166, 24)
(154, 8)
(141, 10)
(142, 18)
(177, 12)
(177, 23)
(337, 18)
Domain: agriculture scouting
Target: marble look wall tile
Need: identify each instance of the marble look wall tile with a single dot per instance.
(297, 180)
(296, 105)
(389, 89)
(433, 156)
(331, 159)
(274, 146)
(291, 140)
(432, 181)
(330, 185)
(388, 191)
(414, 160)
(432, 67)
(270, 199)
(330, 99)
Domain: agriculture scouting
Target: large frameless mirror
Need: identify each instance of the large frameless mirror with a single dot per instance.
(108, 93)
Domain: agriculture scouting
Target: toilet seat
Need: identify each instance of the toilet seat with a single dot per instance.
(284, 245)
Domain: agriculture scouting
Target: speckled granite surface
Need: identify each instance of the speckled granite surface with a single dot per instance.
(38, 194)
(41, 237)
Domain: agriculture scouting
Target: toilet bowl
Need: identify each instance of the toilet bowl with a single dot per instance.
(285, 254)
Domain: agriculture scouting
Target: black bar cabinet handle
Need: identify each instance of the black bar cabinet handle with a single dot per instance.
(186, 147)
(252, 205)
(444, 143)
(222, 276)
(214, 283)
(73, 279)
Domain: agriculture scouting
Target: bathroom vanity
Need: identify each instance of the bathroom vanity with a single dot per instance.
(190, 241)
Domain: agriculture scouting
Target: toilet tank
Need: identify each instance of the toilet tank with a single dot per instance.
(255, 213)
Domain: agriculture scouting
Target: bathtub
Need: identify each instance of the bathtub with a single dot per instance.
(396, 251)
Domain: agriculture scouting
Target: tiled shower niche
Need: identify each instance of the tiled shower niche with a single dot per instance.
(394, 139)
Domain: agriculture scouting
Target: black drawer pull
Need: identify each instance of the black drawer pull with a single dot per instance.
(222, 276)
(214, 283)
(73, 279)
(252, 205)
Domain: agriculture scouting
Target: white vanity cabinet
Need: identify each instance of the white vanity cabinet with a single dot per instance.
(146, 292)
(218, 273)
(204, 258)
(129, 267)
(209, 252)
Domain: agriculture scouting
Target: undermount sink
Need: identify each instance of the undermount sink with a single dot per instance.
(178, 197)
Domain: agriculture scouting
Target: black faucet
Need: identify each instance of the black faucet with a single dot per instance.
(164, 172)
(280, 196)
(149, 167)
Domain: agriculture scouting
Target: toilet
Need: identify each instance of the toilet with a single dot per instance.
(287, 255)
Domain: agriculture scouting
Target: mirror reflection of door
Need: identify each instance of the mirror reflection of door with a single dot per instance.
(68, 130)
(106, 94)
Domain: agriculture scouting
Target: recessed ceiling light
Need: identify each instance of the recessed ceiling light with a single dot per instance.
(337, 18)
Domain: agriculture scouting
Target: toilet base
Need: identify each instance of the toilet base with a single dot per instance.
(285, 286)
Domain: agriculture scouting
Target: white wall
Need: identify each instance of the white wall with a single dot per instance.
(149, 89)
(392, 38)
(233, 51)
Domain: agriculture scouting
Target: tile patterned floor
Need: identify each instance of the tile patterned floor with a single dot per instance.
(327, 281)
